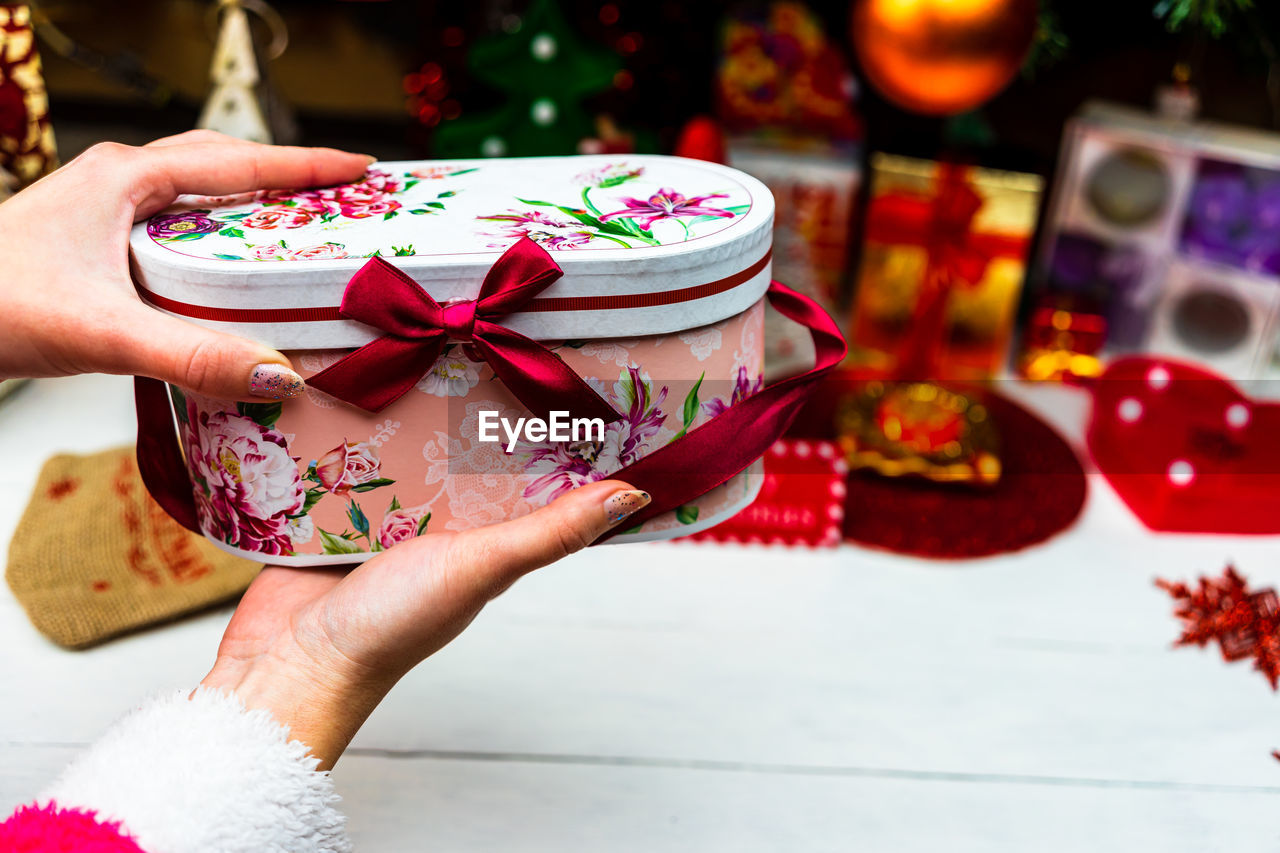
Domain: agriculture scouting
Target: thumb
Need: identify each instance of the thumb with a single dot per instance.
(490, 559)
(197, 359)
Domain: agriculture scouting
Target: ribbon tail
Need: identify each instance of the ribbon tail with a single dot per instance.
(160, 461)
(537, 377)
(381, 372)
(715, 452)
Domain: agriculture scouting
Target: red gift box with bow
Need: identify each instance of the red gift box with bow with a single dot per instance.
(944, 254)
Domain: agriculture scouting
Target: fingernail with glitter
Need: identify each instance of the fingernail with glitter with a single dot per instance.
(275, 382)
(619, 505)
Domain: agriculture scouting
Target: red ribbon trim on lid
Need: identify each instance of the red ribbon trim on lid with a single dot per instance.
(328, 313)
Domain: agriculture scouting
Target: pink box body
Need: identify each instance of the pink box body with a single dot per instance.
(665, 260)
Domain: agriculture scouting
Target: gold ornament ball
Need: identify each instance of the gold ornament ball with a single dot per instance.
(942, 57)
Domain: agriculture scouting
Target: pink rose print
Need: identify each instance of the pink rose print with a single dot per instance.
(358, 194)
(363, 210)
(348, 465)
(381, 181)
(247, 484)
(325, 251)
(401, 524)
(318, 206)
(278, 216)
(369, 197)
(435, 173)
(666, 203)
(310, 212)
(270, 252)
(376, 185)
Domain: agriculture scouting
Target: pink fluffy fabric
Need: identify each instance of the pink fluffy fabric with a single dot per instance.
(50, 829)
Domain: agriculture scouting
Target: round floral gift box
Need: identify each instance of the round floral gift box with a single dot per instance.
(478, 338)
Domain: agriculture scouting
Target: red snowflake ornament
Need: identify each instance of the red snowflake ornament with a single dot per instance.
(1245, 623)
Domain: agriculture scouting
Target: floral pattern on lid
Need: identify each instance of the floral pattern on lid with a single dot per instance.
(410, 209)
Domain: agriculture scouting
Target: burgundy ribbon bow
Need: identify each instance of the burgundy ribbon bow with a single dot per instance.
(417, 329)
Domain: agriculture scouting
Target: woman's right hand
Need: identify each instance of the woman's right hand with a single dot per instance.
(319, 648)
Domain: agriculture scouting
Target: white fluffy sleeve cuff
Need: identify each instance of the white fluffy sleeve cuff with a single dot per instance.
(204, 774)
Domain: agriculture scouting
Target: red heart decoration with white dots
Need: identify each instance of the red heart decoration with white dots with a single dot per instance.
(1186, 449)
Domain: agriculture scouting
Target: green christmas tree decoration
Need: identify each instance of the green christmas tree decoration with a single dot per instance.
(546, 72)
(1213, 16)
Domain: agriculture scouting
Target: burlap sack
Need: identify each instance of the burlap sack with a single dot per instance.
(94, 556)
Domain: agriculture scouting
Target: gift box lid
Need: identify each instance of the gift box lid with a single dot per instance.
(648, 244)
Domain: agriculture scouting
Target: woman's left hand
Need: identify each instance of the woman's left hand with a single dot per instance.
(69, 302)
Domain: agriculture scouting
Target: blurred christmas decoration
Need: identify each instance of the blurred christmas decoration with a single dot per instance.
(785, 95)
(800, 503)
(1040, 493)
(814, 192)
(1244, 622)
(942, 267)
(1185, 449)
(1178, 99)
(942, 57)
(1049, 45)
(1060, 343)
(608, 139)
(1254, 25)
(232, 107)
(1213, 16)
(918, 429)
(1249, 24)
(427, 91)
(780, 72)
(702, 138)
(27, 149)
(1092, 298)
(1170, 232)
(943, 260)
(545, 71)
(242, 103)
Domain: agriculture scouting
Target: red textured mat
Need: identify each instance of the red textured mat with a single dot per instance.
(1040, 493)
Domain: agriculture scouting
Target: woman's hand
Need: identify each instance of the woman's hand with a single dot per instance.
(320, 648)
(70, 305)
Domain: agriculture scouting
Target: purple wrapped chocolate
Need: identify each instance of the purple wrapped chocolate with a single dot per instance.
(1234, 217)
(1107, 274)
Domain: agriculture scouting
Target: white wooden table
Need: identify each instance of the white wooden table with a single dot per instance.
(705, 698)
